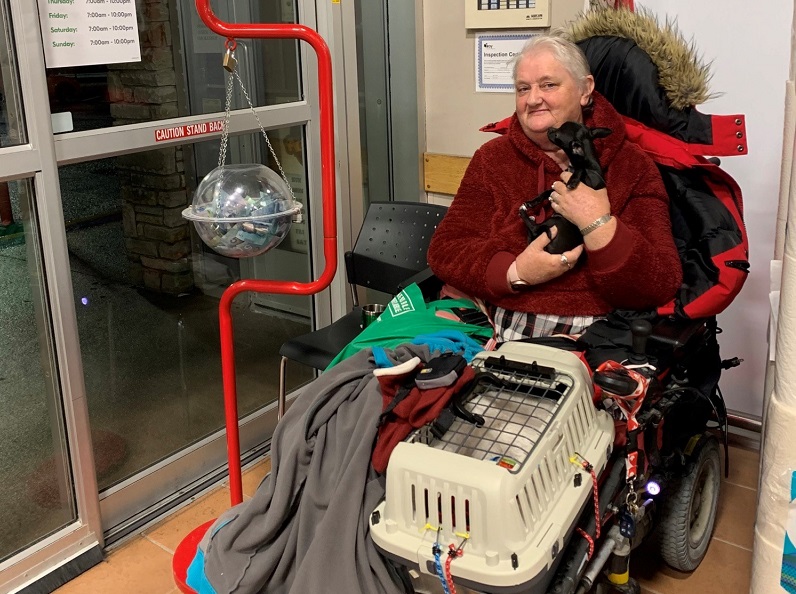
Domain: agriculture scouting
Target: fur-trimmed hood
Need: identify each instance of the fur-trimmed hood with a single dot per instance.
(681, 72)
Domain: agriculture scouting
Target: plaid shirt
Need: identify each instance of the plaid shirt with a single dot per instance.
(514, 325)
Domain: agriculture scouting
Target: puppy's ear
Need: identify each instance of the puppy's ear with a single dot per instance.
(599, 132)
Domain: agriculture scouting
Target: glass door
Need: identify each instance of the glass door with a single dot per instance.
(36, 488)
(110, 369)
(49, 509)
(37, 496)
(144, 288)
(390, 117)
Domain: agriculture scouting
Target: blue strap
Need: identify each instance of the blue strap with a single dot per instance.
(438, 565)
(380, 357)
(450, 340)
(196, 577)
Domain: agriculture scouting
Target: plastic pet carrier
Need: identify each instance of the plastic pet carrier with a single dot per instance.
(501, 484)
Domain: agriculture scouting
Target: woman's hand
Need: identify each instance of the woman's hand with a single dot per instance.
(535, 266)
(581, 206)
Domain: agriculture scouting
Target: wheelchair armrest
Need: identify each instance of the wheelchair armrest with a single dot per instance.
(430, 285)
(675, 332)
(348, 260)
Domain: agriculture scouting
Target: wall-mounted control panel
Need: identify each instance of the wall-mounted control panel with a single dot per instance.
(506, 14)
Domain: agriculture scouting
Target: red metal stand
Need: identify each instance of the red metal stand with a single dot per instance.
(188, 546)
(329, 205)
(184, 554)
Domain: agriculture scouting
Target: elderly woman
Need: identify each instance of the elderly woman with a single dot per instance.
(628, 259)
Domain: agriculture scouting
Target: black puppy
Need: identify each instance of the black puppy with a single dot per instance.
(576, 141)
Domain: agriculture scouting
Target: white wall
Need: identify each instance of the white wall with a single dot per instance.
(750, 51)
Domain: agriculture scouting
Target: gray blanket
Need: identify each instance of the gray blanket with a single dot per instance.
(306, 529)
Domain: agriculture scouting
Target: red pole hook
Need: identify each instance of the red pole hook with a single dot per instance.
(329, 207)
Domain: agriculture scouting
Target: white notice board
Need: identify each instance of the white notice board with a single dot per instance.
(494, 60)
(85, 32)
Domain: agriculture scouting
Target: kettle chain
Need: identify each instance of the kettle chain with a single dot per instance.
(232, 75)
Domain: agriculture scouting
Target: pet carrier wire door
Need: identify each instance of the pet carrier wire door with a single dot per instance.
(506, 492)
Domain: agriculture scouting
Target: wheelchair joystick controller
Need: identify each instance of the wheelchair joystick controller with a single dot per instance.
(619, 381)
(640, 330)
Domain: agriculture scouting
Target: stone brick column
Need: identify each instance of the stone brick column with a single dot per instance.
(154, 189)
(157, 238)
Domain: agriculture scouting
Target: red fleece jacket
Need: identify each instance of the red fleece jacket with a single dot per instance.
(482, 232)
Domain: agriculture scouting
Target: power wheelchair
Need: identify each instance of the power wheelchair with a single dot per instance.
(654, 380)
(644, 457)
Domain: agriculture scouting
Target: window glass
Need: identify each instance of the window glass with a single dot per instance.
(147, 293)
(374, 129)
(36, 494)
(180, 72)
(12, 123)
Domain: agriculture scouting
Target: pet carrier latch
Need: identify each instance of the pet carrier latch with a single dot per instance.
(532, 369)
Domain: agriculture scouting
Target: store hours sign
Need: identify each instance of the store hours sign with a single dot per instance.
(85, 32)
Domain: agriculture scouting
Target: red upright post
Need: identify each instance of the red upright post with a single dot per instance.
(329, 207)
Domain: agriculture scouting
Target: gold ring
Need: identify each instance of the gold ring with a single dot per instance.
(565, 260)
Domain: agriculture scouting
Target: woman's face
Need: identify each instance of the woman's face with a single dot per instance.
(548, 95)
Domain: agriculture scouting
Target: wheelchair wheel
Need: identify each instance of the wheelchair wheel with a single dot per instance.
(689, 512)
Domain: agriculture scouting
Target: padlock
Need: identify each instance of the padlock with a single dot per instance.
(229, 62)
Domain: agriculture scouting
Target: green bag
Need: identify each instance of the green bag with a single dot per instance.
(408, 316)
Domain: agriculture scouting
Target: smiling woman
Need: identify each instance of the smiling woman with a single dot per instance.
(549, 90)
(631, 258)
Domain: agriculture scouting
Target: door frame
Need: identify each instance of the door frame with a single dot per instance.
(121, 510)
(36, 160)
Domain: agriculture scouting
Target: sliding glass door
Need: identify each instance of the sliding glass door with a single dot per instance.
(110, 373)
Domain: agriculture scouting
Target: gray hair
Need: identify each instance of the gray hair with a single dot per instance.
(565, 51)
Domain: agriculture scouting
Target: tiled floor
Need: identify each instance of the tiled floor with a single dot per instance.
(143, 566)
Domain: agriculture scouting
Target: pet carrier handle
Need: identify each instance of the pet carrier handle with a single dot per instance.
(459, 400)
(640, 330)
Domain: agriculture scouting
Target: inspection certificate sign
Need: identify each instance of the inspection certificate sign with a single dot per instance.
(85, 32)
(494, 59)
